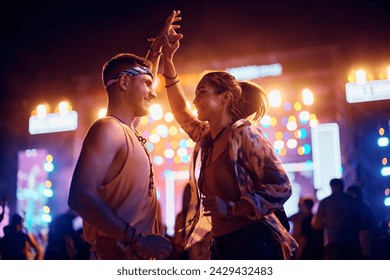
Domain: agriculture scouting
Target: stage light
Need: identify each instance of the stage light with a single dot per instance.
(383, 141)
(387, 201)
(162, 130)
(154, 138)
(297, 106)
(275, 98)
(41, 111)
(307, 97)
(156, 112)
(48, 192)
(385, 171)
(169, 153)
(182, 152)
(102, 113)
(304, 117)
(173, 130)
(168, 117)
(46, 218)
(266, 121)
(158, 160)
(361, 77)
(64, 108)
(48, 166)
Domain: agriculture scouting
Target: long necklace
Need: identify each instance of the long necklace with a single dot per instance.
(206, 156)
(142, 140)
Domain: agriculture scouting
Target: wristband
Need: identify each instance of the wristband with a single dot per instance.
(167, 86)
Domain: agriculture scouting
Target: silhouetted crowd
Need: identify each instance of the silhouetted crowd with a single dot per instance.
(342, 227)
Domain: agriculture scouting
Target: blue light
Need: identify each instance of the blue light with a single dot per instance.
(387, 201)
(383, 141)
(183, 143)
(150, 146)
(307, 149)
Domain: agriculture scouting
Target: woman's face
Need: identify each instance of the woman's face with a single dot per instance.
(207, 102)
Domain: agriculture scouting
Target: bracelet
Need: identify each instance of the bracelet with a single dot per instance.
(167, 86)
(229, 210)
(170, 78)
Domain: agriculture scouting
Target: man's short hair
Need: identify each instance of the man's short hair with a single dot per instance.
(122, 62)
(337, 184)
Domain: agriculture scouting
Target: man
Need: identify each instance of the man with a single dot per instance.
(112, 186)
(18, 243)
(341, 219)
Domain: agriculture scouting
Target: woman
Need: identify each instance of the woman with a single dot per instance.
(241, 180)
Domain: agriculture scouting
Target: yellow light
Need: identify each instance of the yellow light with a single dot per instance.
(301, 151)
(384, 161)
(173, 130)
(49, 158)
(177, 159)
(313, 117)
(144, 120)
(283, 152)
(370, 77)
(351, 78)
(175, 144)
(297, 106)
(387, 191)
(278, 135)
(381, 131)
(46, 209)
(292, 119)
(48, 184)
(274, 121)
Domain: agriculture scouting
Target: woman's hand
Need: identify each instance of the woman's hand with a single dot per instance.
(168, 28)
(214, 206)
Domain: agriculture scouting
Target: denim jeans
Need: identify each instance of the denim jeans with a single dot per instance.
(254, 242)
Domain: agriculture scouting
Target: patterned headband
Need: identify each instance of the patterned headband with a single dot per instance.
(130, 72)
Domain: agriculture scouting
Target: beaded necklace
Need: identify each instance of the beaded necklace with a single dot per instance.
(142, 140)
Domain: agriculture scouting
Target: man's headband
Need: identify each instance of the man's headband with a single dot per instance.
(130, 72)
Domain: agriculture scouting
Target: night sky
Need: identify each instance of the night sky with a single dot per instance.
(53, 41)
